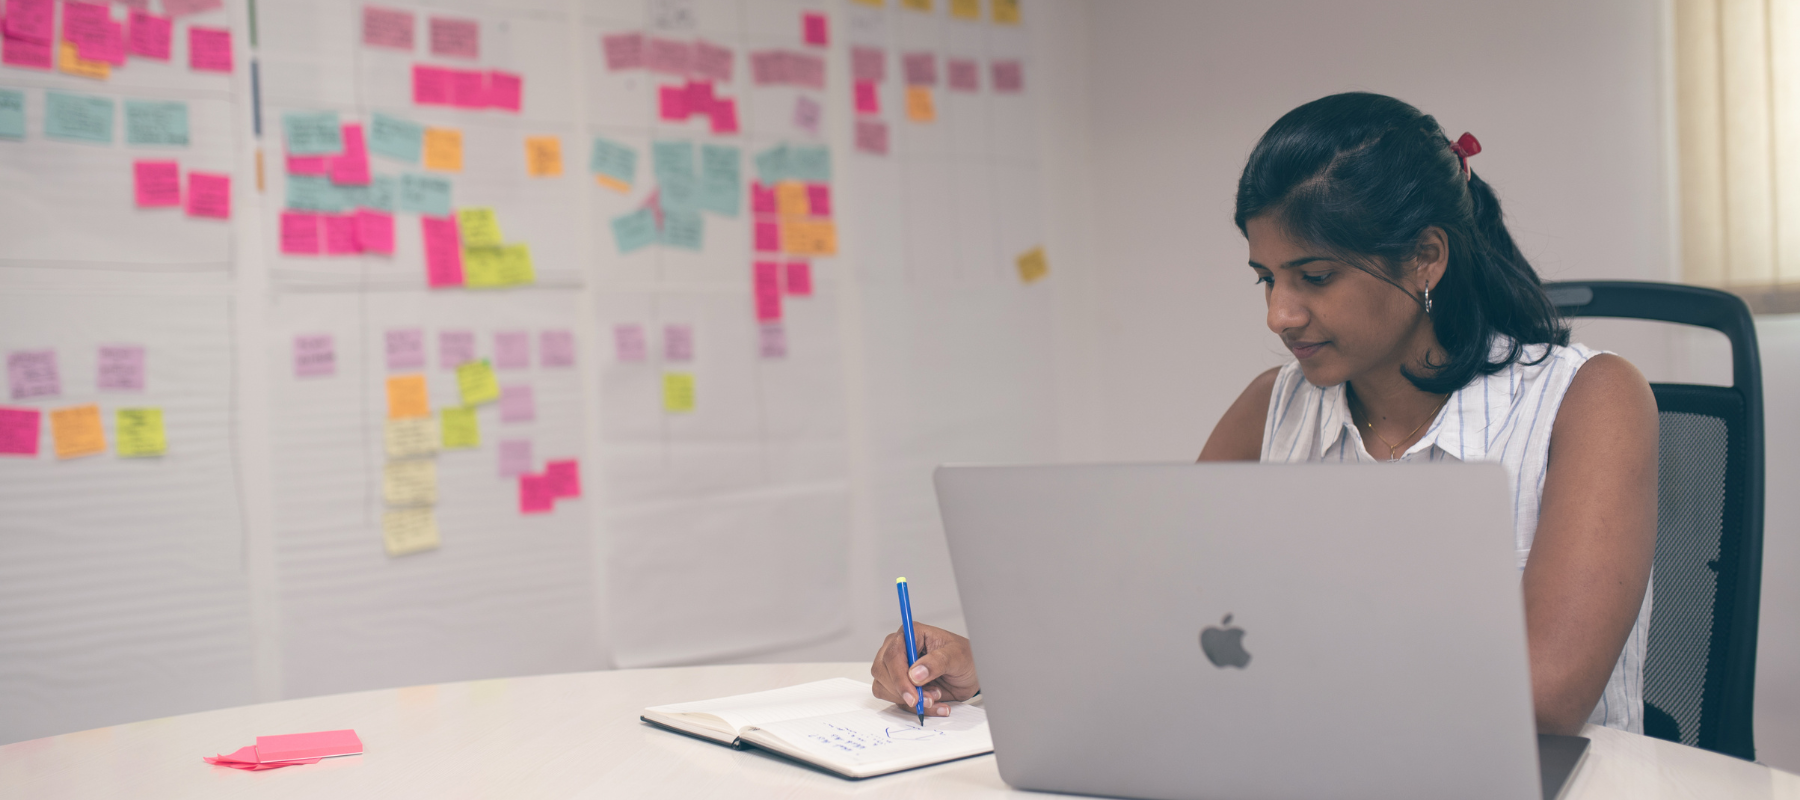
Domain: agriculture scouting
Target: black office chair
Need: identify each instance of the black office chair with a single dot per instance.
(1700, 671)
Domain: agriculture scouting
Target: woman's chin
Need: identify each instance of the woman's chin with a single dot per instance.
(1321, 372)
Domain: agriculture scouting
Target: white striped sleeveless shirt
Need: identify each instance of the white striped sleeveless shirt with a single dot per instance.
(1504, 417)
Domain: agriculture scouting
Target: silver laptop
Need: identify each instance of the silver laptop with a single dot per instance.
(1248, 630)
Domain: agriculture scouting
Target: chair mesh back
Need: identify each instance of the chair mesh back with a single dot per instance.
(1690, 519)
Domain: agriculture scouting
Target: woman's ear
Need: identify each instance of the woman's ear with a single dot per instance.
(1430, 258)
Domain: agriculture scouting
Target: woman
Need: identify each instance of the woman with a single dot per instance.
(1420, 333)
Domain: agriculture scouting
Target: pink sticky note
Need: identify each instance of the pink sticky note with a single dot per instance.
(556, 348)
(537, 495)
(772, 340)
(799, 278)
(712, 62)
(121, 368)
(111, 46)
(387, 27)
(724, 116)
(564, 477)
(512, 350)
(813, 29)
(699, 96)
(468, 89)
(308, 165)
(19, 431)
(406, 349)
(868, 64)
(150, 35)
(505, 90)
(868, 100)
(340, 234)
(807, 113)
(431, 85)
(768, 68)
(457, 38)
(455, 348)
(375, 231)
(920, 69)
(668, 56)
(516, 404)
(33, 373)
(1009, 77)
(623, 51)
(443, 251)
(805, 70)
(158, 183)
(818, 199)
(351, 168)
(315, 356)
(678, 343)
(209, 195)
(964, 76)
(182, 8)
(872, 136)
(768, 237)
(515, 457)
(672, 103)
(296, 746)
(762, 198)
(209, 49)
(768, 291)
(22, 53)
(85, 24)
(32, 21)
(299, 233)
(628, 342)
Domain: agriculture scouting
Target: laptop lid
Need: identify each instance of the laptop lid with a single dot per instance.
(1247, 630)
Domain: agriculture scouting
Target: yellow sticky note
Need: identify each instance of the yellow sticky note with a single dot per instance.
(410, 438)
(443, 149)
(917, 5)
(483, 267)
(408, 397)
(479, 227)
(140, 432)
(817, 237)
(69, 61)
(409, 530)
(678, 392)
(965, 9)
(475, 379)
(613, 183)
(77, 431)
(873, 3)
(516, 268)
(410, 483)
(543, 156)
(791, 199)
(1006, 12)
(1033, 265)
(919, 107)
(461, 429)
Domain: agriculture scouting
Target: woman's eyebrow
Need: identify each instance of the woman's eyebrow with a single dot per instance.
(1295, 263)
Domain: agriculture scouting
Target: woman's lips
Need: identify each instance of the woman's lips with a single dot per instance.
(1305, 350)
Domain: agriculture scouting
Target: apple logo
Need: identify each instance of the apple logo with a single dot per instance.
(1224, 647)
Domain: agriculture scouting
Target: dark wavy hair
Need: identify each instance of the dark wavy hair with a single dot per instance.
(1363, 175)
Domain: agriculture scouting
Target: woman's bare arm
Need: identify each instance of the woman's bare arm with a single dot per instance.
(1238, 436)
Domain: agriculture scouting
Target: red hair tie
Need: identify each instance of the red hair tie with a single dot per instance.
(1465, 146)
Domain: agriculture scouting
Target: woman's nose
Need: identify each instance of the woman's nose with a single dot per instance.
(1284, 313)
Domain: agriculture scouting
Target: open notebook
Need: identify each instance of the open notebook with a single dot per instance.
(832, 724)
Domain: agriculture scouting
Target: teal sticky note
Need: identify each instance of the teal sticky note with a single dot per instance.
(425, 194)
(78, 117)
(672, 158)
(156, 122)
(772, 165)
(635, 230)
(378, 195)
(721, 182)
(312, 133)
(613, 160)
(396, 138)
(810, 163)
(12, 114)
(683, 229)
(314, 193)
(680, 192)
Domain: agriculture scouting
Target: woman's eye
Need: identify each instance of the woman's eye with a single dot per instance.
(1317, 280)
(1268, 279)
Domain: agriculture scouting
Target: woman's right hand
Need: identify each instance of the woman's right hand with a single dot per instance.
(945, 670)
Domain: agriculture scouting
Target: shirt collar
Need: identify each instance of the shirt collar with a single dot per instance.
(1461, 428)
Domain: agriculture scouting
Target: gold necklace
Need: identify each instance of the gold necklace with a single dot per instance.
(1392, 448)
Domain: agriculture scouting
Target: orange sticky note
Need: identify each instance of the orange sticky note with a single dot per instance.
(68, 61)
(919, 107)
(791, 199)
(613, 183)
(407, 397)
(77, 431)
(809, 237)
(1033, 265)
(543, 156)
(1006, 12)
(443, 149)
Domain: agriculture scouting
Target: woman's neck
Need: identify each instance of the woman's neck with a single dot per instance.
(1391, 408)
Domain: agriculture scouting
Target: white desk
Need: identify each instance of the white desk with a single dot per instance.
(566, 736)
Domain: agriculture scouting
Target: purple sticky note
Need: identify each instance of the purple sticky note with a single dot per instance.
(512, 350)
(564, 477)
(150, 35)
(388, 27)
(806, 114)
(804, 70)
(19, 431)
(182, 8)
(406, 349)
(920, 69)
(517, 404)
(712, 62)
(455, 348)
(33, 374)
(768, 68)
(628, 341)
(536, 495)
(678, 343)
(964, 75)
(772, 340)
(515, 457)
(457, 38)
(314, 356)
(1009, 77)
(668, 56)
(623, 51)
(872, 137)
(868, 64)
(556, 348)
(121, 368)
(209, 49)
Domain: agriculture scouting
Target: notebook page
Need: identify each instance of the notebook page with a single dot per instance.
(816, 699)
(870, 737)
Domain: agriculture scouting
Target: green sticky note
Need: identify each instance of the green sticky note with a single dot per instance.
(140, 432)
(672, 158)
(462, 430)
(312, 133)
(12, 114)
(479, 227)
(810, 163)
(679, 192)
(314, 193)
(78, 117)
(721, 182)
(425, 194)
(635, 230)
(772, 165)
(613, 160)
(683, 229)
(476, 381)
(396, 138)
(156, 122)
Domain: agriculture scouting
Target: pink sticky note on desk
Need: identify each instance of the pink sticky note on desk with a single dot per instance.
(158, 183)
(443, 251)
(517, 404)
(32, 21)
(351, 168)
(814, 30)
(150, 35)
(468, 89)
(19, 431)
(537, 495)
(564, 477)
(431, 85)
(209, 195)
(299, 233)
(296, 746)
(209, 49)
(505, 90)
(340, 234)
(375, 231)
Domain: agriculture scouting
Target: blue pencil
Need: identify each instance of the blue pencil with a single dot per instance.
(912, 648)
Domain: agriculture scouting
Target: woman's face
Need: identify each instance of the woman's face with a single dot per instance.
(1339, 321)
